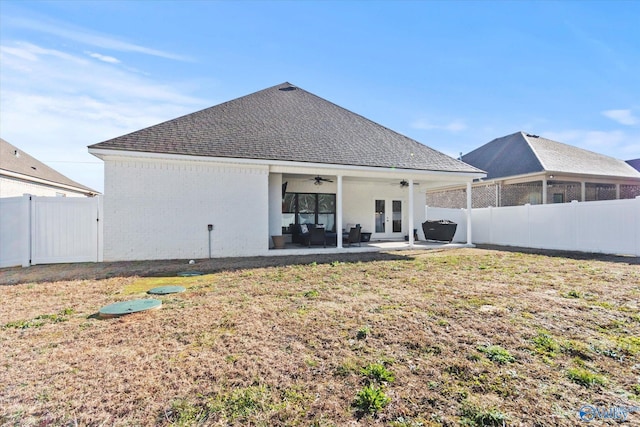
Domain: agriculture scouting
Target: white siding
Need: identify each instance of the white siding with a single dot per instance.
(10, 187)
(159, 209)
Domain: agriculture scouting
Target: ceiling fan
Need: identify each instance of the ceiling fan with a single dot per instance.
(404, 183)
(319, 180)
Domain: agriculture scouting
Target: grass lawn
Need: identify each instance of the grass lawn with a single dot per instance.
(460, 337)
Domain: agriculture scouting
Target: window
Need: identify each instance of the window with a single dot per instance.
(308, 208)
(558, 197)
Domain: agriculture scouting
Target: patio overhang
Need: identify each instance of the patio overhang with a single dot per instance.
(367, 185)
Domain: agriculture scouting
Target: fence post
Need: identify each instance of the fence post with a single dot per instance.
(28, 230)
(637, 225)
(490, 222)
(100, 230)
(574, 221)
(27, 212)
(469, 208)
(528, 212)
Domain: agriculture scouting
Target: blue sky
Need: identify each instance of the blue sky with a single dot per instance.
(452, 75)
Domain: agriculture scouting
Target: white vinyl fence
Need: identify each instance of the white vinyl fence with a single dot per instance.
(47, 230)
(610, 226)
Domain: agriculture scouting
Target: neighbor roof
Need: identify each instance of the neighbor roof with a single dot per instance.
(17, 161)
(522, 153)
(635, 163)
(287, 123)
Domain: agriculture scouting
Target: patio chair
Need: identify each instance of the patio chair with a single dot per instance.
(317, 236)
(352, 237)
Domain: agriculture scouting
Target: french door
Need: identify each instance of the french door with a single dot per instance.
(388, 218)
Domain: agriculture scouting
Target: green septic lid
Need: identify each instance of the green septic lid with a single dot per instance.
(164, 290)
(190, 273)
(127, 307)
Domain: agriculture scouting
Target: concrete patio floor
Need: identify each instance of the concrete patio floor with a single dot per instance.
(372, 246)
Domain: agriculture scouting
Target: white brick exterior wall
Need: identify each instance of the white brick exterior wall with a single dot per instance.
(10, 187)
(159, 209)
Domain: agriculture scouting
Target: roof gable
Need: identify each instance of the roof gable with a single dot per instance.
(522, 153)
(17, 161)
(507, 156)
(287, 123)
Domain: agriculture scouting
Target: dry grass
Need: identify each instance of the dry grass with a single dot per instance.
(470, 336)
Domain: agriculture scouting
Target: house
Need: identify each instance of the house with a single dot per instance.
(22, 174)
(219, 182)
(524, 168)
(635, 163)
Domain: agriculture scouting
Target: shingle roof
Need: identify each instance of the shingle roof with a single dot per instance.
(15, 160)
(287, 123)
(635, 163)
(522, 153)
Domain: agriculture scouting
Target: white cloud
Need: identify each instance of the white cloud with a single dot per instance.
(624, 117)
(87, 37)
(453, 126)
(54, 104)
(104, 58)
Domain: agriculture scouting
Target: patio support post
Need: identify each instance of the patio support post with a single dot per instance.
(544, 190)
(339, 212)
(469, 205)
(583, 191)
(411, 241)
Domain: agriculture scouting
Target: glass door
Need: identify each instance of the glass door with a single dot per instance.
(388, 218)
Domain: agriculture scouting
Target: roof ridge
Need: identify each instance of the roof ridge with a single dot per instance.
(526, 137)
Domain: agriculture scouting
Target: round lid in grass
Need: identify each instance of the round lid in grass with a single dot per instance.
(190, 273)
(127, 307)
(164, 290)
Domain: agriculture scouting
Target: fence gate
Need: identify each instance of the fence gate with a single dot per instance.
(64, 229)
(48, 230)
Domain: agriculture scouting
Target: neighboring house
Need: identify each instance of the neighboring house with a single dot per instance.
(524, 168)
(635, 163)
(253, 166)
(22, 174)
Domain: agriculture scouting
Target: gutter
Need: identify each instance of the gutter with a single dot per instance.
(280, 166)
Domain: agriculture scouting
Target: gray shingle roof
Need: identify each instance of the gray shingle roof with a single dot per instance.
(287, 123)
(635, 163)
(522, 153)
(25, 164)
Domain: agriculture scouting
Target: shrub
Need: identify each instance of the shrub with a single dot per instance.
(546, 344)
(363, 332)
(585, 378)
(370, 400)
(376, 372)
(474, 416)
(497, 354)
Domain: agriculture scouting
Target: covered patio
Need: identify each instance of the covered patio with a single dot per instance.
(386, 203)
